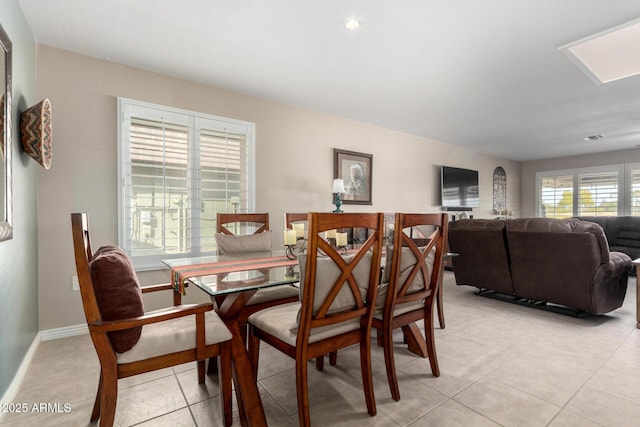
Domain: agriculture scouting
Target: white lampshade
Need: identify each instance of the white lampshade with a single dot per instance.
(338, 186)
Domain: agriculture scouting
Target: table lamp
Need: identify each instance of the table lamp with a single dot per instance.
(336, 189)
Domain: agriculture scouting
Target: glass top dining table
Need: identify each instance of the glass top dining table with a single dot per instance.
(230, 281)
(226, 274)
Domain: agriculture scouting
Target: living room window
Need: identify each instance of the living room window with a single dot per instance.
(602, 191)
(177, 170)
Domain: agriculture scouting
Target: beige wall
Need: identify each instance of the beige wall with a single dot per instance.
(18, 256)
(529, 170)
(294, 164)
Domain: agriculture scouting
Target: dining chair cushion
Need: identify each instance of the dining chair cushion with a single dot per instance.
(117, 292)
(282, 322)
(407, 262)
(174, 335)
(228, 244)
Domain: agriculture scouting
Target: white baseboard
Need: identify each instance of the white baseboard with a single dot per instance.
(12, 391)
(68, 331)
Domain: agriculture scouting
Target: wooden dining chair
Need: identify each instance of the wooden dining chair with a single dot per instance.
(130, 341)
(291, 218)
(255, 225)
(254, 222)
(409, 287)
(335, 311)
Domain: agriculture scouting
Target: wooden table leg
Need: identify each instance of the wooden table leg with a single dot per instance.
(247, 395)
(414, 339)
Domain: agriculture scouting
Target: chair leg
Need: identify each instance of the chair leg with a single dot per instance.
(440, 305)
(302, 388)
(201, 371)
(333, 358)
(367, 376)
(254, 351)
(95, 413)
(109, 397)
(431, 342)
(390, 364)
(212, 366)
(225, 383)
(320, 363)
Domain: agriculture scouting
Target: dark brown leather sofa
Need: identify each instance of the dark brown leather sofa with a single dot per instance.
(623, 232)
(541, 261)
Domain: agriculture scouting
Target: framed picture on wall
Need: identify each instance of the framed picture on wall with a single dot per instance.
(356, 170)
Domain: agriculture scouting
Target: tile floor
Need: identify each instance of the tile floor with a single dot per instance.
(501, 365)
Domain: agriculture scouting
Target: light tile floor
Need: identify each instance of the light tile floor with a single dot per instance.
(501, 364)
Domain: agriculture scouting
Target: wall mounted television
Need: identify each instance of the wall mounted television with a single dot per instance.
(459, 188)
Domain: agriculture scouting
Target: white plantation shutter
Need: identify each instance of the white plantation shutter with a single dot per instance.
(634, 189)
(598, 193)
(160, 193)
(556, 193)
(224, 177)
(178, 169)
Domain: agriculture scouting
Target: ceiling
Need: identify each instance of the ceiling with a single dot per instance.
(483, 74)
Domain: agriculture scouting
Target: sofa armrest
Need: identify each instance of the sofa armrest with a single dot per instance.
(618, 264)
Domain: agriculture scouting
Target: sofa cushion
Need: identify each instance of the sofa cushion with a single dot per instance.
(538, 225)
(117, 291)
(629, 238)
(228, 244)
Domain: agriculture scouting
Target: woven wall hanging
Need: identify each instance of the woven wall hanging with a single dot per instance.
(35, 132)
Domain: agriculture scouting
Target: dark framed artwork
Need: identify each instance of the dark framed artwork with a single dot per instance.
(356, 170)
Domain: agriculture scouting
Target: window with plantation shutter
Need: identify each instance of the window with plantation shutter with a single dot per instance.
(556, 196)
(598, 193)
(177, 170)
(634, 189)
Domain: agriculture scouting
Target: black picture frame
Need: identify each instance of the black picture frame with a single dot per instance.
(356, 170)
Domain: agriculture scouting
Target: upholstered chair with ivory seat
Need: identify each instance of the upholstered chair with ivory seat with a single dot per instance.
(130, 341)
(291, 218)
(409, 287)
(335, 311)
(249, 233)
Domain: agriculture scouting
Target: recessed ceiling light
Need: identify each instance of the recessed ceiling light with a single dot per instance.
(352, 24)
(592, 137)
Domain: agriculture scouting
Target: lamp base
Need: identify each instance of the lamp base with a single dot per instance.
(338, 202)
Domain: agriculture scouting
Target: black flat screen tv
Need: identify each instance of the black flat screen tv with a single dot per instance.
(459, 188)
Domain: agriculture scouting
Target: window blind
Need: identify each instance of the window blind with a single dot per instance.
(159, 202)
(598, 193)
(223, 178)
(556, 194)
(634, 192)
(178, 170)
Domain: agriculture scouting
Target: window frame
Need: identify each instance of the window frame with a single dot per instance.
(624, 172)
(126, 108)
